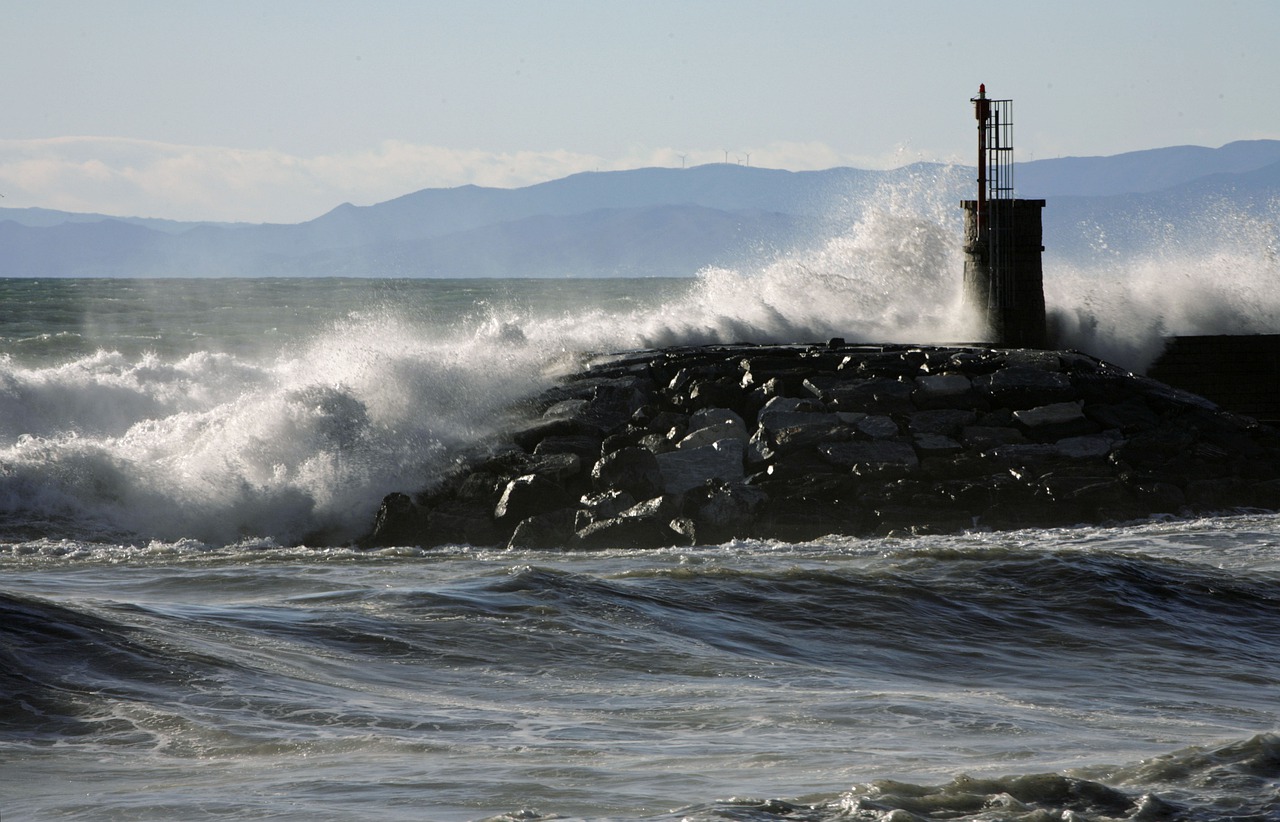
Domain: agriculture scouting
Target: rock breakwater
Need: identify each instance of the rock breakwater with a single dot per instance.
(704, 444)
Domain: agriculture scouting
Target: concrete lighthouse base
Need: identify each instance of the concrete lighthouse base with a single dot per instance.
(1003, 275)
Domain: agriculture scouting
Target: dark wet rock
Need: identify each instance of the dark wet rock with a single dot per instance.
(794, 438)
(1021, 386)
(712, 425)
(529, 437)
(721, 511)
(398, 521)
(1266, 494)
(939, 391)
(544, 532)
(666, 422)
(983, 437)
(1128, 416)
(529, 495)
(778, 410)
(657, 443)
(813, 506)
(885, 364)
(461, 522)
(874, 396)
(1165, 497)
(585, 448)
(1096, 445)
(797, 442)
(512, 464)
(633, 470)
(714, 393)
(1046, 423)
(870, 454)
(806, 462)
(689, 468)
(948, 422)
(877, 427)
(629, 438)
(603, 506)
(566, 411)
(932, 445)
(655, 523)
(481, 487)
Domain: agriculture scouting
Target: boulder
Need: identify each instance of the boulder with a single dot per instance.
(1047, 423)
(936, 391)
(710, 425)
(722, 511)
(875, 396)
(843, 438)
(783, 406)
(652, 524)
(529, 495)
(511, 464)
(604, 505)
(945, 421)
(1020, 387)
(633, 470)
(877, 427)
(795, 438)
(983, 437)
(932, 445)
(688, 468)
(585, 448)
(871, 454)
(544, 531)
(462, 522)
(398, 522)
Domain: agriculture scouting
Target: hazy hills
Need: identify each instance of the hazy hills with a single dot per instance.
(654, 221)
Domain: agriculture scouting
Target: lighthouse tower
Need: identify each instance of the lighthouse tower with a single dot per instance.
(1003, 276)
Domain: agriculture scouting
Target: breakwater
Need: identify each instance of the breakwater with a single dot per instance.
(705, 444)
(1240, 372)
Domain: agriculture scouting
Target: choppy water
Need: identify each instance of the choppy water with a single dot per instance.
(973, 677)
(185, 635)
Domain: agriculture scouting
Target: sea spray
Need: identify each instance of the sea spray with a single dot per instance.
(224, 410)
(220, 448)
(300, 439)
(1211, 276)
(892, 276)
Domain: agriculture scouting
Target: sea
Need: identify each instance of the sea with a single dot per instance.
(187, 631)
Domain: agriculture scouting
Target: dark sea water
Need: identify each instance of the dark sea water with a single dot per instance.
(185, 633)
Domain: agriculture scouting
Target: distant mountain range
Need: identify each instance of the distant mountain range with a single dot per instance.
(647, 222)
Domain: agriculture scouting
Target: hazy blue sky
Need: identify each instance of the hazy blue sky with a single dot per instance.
(281, 110)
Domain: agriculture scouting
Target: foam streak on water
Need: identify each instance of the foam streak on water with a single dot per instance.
(1057, 670)
(216, 426)
(184, 636)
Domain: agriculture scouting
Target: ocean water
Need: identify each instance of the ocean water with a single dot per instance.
(185, 632)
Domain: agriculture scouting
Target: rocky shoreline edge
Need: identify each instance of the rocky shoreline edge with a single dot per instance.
(700, 445)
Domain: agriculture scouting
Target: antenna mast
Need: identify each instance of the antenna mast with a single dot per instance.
(1003, 274)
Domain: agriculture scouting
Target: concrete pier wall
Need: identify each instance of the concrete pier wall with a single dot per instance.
(1240, 373)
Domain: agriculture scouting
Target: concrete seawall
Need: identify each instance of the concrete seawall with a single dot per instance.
(1239, 372)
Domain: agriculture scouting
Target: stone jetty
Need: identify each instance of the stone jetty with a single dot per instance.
(700, 445)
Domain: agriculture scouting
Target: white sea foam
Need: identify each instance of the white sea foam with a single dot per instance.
(302, 442)
(219, 448)
(1216, 280)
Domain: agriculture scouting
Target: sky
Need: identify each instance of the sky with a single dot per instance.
(280, 110)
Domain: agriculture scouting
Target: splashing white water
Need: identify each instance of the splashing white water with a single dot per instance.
(892, 276)
(302, 443)
(1218, 280)
(221, 449)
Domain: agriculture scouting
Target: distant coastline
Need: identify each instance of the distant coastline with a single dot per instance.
(648, 222)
